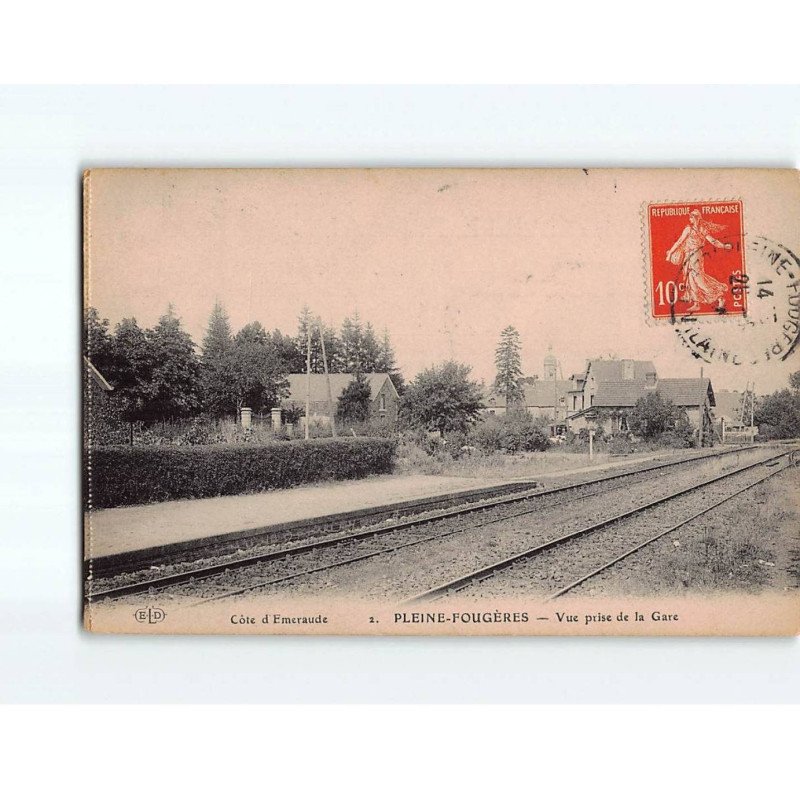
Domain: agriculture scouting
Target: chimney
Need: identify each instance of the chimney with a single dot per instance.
(627, 369)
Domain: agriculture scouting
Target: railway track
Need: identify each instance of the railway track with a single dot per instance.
(530, 502)
(770, 466)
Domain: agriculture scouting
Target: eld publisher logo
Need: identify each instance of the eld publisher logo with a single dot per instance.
(150, 615)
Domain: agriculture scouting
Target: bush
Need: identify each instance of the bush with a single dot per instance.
(620, 444)
(488, 435)
(454, 444)
(514, 432)
(134, 475)
(522, 434)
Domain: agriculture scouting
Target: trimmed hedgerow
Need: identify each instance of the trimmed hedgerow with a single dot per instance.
(123, 476)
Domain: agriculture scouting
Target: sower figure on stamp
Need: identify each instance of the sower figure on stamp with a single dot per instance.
(687, 253)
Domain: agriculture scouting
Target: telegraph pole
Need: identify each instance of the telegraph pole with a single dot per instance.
(702, 410)
(555, 402)
(308, 371)
(331, 410)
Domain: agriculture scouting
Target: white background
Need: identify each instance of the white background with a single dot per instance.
(48, 135)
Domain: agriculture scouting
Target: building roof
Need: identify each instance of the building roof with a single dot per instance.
(613, 369)
(97, 376)
(685, 391)
(339, 381)
(539, 394)
(620, 393)
(542, 393)
(680, 391)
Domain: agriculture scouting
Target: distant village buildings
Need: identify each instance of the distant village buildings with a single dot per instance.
(605, 393)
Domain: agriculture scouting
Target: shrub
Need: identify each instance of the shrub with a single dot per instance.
(135, 475)
(454, 443)
(652, 416)
(620, 444)
(521, 433)
(682, 434)
(354, 401)
(514, 432)
(488, 435)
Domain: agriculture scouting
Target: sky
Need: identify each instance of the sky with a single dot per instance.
(443, 259)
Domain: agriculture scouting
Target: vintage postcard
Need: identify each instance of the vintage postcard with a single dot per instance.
(442, 401)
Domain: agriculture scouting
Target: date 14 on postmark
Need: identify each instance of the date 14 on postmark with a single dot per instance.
(696, 259)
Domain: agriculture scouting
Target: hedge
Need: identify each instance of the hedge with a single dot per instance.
(134, 475)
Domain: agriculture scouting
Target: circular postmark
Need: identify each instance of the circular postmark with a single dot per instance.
(769, 328)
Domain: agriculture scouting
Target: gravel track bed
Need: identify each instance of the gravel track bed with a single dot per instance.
(221, 553)
(548, 572)
(403, 568)
(751, 516)
(421, 566)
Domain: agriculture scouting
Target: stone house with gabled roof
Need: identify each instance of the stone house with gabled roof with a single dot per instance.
(541, 397)
(385, 401)
(611, 388)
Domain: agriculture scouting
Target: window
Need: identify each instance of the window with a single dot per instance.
(382, 402)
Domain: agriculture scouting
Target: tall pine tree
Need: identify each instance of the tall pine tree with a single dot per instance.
(217, 365)
(333, 346)
(352, 344)
(508, 381)
(386, 362)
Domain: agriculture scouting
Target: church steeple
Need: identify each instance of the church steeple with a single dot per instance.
(550, 365)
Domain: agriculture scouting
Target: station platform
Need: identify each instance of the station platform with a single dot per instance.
(116, 531)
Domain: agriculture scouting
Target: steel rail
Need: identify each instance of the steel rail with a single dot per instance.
(373, 553)
(480, 575)
(636, 548)
(188, 576)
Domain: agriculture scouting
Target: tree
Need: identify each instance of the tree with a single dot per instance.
(370, 350)
(508, 381)
(289, 355)
(260, 379)
(442, 398)
(794, 380)
(354, 401)
(778, 414)
(175, 386)
(217, 365)
(386, 363)
(131, 372)
(333, 346)
(97, 342)
(352, 344)
(652, 416)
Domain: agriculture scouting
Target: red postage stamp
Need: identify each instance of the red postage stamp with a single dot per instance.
(697, 265)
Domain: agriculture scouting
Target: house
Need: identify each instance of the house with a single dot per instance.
(610, 388)
(543, 397)
(385, 400)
